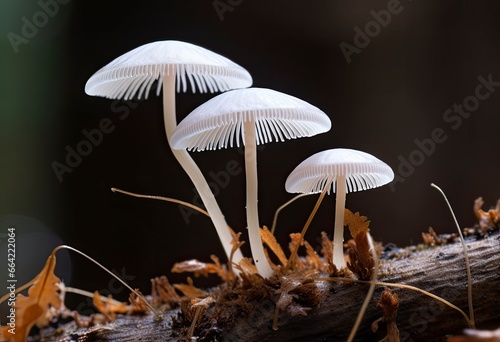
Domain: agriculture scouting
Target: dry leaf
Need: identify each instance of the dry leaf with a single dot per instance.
(195, 307)
(432, 239)
(137, 305)
(487, 220)
(189, 290)
(313, 258)
(327, 252)
(360, 258)
(31, 309)
(269, 239)
(204, 268)
(196, 267)
(389, 304)
(357, 224)
(253, 286)
(285, 299)
(297, 295)
(162, 292)
(235, 242)
(295, 242)
(109, 307)
(246, 265)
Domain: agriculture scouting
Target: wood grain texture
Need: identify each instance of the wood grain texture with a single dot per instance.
(439, 270)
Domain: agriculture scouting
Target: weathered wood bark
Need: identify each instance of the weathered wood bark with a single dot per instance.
(439, 270)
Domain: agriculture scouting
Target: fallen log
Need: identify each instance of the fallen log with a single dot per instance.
(439, 270)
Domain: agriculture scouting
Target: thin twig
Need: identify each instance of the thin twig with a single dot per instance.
(161, 198)
(401, 286)
(156, 313)
(467, 264)
(283, 206)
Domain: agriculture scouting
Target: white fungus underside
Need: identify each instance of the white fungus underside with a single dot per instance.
(227, 130)
(362, 171)
(133, 74)
(219, 123)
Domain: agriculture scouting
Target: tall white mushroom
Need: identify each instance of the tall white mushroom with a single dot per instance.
(256, 116)
(345, 170)
(171, 62)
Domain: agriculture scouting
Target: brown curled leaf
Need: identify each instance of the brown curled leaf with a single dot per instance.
(389, 304)
(189, 290)
(487, 220)
(269, 239)
(163, 292)
(32, 309)
(357, 224)
(360, 261)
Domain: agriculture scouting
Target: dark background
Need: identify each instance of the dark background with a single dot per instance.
(428, 57)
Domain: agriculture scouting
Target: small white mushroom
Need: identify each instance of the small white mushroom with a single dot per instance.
(173, 62)
(256, 116)
(345, 170)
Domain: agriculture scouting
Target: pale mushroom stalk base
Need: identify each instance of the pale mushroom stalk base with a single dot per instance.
(256, 246)
(193, 171)
(338, 233)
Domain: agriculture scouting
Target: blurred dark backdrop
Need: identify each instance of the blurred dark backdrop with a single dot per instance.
(400, 81)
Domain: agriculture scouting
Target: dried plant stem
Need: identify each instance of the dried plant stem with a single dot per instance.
(308, 223)
(401, 286)
(283, 206)
(369, 295)
(161, 198)
(193, 323)
(156, 313)
(466, 255)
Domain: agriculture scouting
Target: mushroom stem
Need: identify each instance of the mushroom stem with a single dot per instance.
(338, 234)
(192, 169)
(256, 246)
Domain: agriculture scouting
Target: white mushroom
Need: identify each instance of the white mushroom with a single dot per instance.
(347, 171)
(256, 116)
(170, 62)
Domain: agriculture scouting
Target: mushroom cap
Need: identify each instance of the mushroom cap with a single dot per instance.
(135, 71)
(219, 122)
(362, 171)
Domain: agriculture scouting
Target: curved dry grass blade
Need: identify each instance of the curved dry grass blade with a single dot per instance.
(283, 206)
(466, 255)
(161, 198)
(401, 286)
(155, 312)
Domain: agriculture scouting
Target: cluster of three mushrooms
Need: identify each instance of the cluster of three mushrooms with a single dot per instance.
(254, 115)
